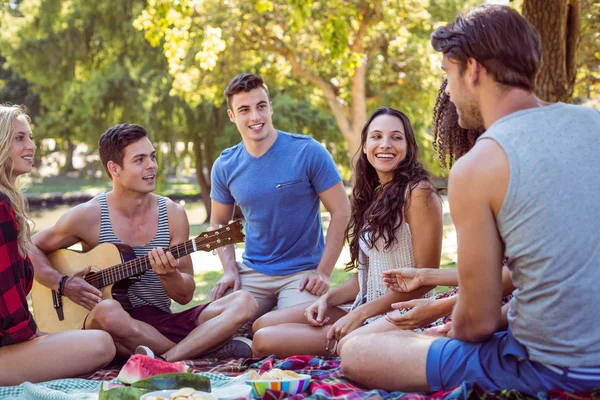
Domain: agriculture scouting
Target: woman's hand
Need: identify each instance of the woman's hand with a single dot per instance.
(403, 280)
(441, 331)
(421, 313)
(315, 313)
(345, 325)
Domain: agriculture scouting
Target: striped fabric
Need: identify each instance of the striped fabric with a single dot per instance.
(148, 291)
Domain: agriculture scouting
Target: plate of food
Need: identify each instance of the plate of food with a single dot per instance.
(178, 394)
(277, 379)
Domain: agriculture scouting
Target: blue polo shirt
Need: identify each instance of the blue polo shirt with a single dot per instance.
(278, 194)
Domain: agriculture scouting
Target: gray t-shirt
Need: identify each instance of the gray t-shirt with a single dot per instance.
(550, 224)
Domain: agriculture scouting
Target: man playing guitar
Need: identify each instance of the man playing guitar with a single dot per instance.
(132, 214)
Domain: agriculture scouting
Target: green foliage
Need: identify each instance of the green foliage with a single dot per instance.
(15, 89)
(588, 74)
(313, 51)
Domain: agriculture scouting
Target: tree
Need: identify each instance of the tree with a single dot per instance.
(559, 25)
(15, 89)
(86, 61)
(588, 74)
(349, 55)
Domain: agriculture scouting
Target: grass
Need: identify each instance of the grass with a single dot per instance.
(77, 183)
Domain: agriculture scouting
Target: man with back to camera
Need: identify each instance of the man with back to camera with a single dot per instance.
(527, 190)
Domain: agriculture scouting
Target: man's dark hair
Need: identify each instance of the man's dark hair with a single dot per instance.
(500, 38)
(112, 143)
(243, 83)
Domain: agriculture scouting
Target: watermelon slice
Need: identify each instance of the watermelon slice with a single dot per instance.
(140, 366)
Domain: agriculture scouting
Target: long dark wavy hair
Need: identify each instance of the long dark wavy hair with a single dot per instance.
(450, 141)
(377, 209)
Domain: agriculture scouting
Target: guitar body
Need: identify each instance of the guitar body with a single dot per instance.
(68, 262)
(114, 266)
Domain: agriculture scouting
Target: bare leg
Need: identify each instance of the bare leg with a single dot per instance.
(392, 361)
(128, 333)
(294, 314)
(378, 326)
(286, 333)
(55, 356)
(217, 323)
(291, 339)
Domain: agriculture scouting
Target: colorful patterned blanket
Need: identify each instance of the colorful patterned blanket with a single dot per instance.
(327, 383)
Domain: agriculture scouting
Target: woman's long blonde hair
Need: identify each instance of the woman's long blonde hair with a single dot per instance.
(8, 115)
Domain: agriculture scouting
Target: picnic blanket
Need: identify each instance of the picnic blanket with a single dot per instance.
(327, 382)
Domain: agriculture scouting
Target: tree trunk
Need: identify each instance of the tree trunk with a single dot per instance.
(68, 167)
(559, 25)
(203, 181)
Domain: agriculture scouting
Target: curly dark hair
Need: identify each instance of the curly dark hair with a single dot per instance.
(450, 141)
(379, 209)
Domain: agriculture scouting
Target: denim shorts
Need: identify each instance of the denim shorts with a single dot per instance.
(501, 363)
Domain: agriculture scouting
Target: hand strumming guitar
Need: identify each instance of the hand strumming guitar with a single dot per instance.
(81, 292)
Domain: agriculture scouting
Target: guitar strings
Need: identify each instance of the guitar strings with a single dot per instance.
(98, 279)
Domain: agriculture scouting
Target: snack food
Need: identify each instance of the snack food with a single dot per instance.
(275, 374)
(184, 394)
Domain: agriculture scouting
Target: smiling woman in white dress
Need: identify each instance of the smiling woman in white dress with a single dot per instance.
(396, 223)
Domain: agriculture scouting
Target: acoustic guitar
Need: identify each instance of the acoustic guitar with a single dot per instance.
(114, 268)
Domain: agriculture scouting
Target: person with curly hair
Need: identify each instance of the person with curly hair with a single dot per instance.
(26, 353)
(450, 140)
(502, 207)
(396, 222)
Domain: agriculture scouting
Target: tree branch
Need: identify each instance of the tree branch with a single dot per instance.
(376, 98)
(357, 45)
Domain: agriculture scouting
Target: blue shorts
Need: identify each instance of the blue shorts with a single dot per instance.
(500, 363)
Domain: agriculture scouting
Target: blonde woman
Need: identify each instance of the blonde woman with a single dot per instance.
(32, 355)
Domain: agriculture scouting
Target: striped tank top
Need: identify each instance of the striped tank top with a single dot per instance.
(148, 291)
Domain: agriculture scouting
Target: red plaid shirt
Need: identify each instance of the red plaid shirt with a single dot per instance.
(16, 277)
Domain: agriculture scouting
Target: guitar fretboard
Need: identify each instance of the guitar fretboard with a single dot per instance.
(116, 273)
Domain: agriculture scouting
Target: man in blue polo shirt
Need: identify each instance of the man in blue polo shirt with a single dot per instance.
(278, 180)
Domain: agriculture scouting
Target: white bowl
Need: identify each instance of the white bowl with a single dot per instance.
(164, 394)
(233, 392)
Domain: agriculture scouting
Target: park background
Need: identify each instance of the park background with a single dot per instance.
(81, 66)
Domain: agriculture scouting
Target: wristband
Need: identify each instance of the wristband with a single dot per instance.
(61, 285)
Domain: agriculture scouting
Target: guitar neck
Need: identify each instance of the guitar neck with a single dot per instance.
(229, 234)
(140, 265)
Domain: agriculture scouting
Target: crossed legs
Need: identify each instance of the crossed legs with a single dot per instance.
(216, 324)
(286, 332)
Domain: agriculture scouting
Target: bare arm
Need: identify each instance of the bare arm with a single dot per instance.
(220, 215)
(477, 186)
(344, 293)
(336, 202)
(178, 282)
(66, 232)
(424, 216)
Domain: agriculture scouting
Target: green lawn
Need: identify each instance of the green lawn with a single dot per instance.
(66, 184)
